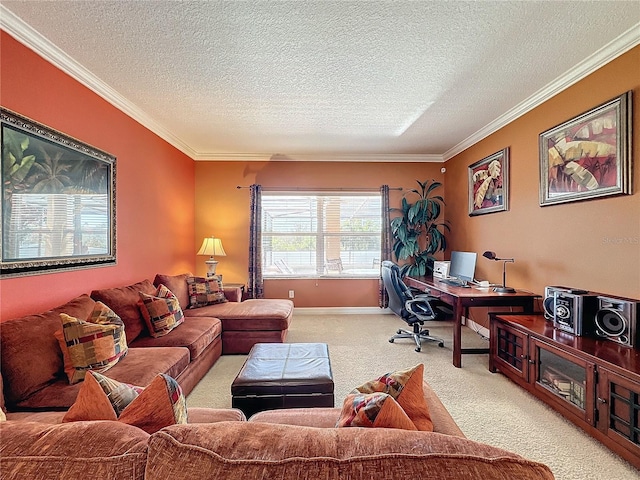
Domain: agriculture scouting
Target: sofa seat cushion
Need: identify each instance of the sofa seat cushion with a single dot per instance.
(72, 450)
(124, 301)
(139, 367)
(196, 334)
(231, 450)
(254, 314)
(21, 337)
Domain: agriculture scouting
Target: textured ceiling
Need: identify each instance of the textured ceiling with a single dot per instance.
(322, 79)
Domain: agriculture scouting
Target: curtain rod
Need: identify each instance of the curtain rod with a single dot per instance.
(336, 189)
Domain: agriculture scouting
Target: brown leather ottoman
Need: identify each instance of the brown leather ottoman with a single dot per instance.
(284, 375)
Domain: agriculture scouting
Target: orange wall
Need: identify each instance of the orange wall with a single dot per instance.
(223, 211)
(592, 244)
(154, 182)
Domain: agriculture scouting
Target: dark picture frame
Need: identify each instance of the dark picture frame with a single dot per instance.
(489, 184)
(58, 200)
(588, 156)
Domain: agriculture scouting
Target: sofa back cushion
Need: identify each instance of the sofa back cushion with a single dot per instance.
(124, 302)
(31, 356)
(38, 450)
(177, 284)
(233, 450)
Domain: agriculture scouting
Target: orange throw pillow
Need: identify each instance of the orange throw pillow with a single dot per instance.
(378, 410)
(158, 405)
(405, 386)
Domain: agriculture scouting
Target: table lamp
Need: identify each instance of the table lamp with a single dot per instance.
(211, 246)
(503, 288)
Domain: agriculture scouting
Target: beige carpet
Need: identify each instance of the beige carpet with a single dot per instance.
(487, 407)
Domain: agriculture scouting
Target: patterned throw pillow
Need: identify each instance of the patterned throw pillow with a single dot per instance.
(97, 343)
(205, 291)
(161, 311)
(377, 410)
(405, 386)
(156, 406)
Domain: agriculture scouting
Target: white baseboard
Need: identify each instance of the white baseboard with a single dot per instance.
(476, 327)
(341, 311)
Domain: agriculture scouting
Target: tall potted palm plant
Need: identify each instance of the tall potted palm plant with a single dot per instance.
(417, 233)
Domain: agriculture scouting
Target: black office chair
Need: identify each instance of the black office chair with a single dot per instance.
(413, 309)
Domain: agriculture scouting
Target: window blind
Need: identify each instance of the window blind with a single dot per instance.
(311, 234)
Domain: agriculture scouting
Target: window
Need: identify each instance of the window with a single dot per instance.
(321, 234)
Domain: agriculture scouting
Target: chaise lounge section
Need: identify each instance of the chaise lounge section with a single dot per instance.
(243, 323)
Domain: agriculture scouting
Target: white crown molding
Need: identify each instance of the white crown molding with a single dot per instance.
(344, 157)
(341, 311)
(614, 49)
(34, 40)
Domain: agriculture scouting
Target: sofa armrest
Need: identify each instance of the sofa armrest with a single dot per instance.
(212, 415)
(233, 294)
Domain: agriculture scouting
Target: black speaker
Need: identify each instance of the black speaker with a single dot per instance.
(616, 320)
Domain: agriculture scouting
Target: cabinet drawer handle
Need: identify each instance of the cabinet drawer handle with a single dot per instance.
(602, 400)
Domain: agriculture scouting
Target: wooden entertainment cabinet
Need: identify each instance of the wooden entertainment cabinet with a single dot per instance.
(594, 383)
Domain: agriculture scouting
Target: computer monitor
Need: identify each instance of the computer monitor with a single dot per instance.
(463, 265)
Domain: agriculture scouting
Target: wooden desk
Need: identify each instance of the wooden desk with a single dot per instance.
(461, 298)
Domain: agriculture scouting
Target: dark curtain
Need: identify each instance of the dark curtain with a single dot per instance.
(385, 253)
(256, 285)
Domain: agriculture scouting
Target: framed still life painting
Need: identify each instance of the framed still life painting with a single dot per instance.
(489, 184)
(588, 156)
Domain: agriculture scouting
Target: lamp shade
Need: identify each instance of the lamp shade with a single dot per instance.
(212, 246)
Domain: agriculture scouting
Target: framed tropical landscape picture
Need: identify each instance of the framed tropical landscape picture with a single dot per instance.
(58, 200)
(588, 156)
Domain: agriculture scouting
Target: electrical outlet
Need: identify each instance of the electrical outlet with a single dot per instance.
(291, 294)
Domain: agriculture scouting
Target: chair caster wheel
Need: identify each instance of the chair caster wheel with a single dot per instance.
(441, 344)
(418, 349)
(399, 332)
(391, 340)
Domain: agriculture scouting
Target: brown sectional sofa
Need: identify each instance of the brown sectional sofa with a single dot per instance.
(221, 444)
(215, 443)
(32, 363)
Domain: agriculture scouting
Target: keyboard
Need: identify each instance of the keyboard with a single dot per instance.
(454, 282)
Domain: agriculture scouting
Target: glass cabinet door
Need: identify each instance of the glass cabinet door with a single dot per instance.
(566, 380)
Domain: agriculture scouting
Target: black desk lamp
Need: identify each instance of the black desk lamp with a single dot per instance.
(503, 288)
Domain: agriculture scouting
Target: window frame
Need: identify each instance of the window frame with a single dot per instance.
(319, 233)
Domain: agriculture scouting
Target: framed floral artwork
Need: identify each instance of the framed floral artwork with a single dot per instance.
(588, 156)
(489, 184)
